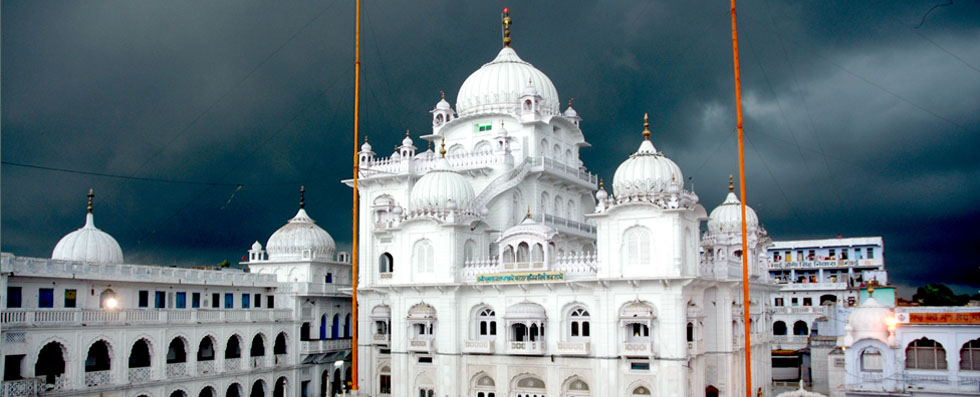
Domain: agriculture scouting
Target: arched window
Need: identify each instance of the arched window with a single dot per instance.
(205, 350)
(523, 253)
(304, 331)
(486, 321)
(139, 354)
(386, 263)
(280, 388)
(925, 353)
(570, 210)
(423, 257)
(323, 326)
(537, 254)
(258, 346)
(234, 347)
(559, 206)
(529, 386)
(50, 363)
(178, 393)
(690, 332)
(258, 389)
(98, 357)
(384, 380)
(177, 351)
(280, 345)
(641, 391)
(636, 242)
(970, 356)
(347, 326)
(800, 328)
(484, 386)
(871, 360)
(335, 327)
(469, 250)
(508, 254)
(208, 391)
(579, 324)
(779, 328)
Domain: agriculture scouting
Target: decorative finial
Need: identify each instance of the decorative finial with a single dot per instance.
(646, 126)
(570, 100)
(871, 290)
(302, 196)
(601, 184)
(528, 212)
(442, 93)
(731, 183)
(91, 195)
(407, 132)
(506, 23)
(430, 145)
(365, 139)
(442, 149)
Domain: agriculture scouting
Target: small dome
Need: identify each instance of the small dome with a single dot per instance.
(366, 147)
(601, 194)
(407, 141)
(869, 321)
(497, 86)
(531, 227)
(88, 244)
(529, 90)
(571, 113)
(440, 186)
(526, 310)
(298, 236)
(256, 246)
(443, 104)
(728, 216)
(381, 311)
(647, 171)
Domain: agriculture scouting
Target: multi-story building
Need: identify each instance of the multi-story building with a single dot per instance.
(907, 351)
(494, 267)
(819, 280)
(86, 323)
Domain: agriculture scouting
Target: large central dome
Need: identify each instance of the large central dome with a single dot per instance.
(498, 85)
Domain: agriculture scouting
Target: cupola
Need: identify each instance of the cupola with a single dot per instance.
(441, 189)
(442, 113)
(727, 217)
(88, 244)
(300, 239)
(571, 114)
(647, 172)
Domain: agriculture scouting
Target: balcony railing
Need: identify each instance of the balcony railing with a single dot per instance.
(380, 339)
(798, 309)
(560, 168)
(479, 346)
(420, 345)
(58, 318)
(176, 370)
(139, 375)
(96, 378)
(637, 349)
(573, 348)
(21, 388)
(528, 348)
(320, 346)
(257, 362)
(205, 367)
(233, 364)
(790, 339)
(281, 359)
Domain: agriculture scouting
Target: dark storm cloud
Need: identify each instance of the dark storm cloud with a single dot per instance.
(856, 123)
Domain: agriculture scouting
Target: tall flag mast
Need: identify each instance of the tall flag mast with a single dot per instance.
(356, 203)
(741, 186)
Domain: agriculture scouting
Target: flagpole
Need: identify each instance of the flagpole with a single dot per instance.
(741, 186)
(356, 203)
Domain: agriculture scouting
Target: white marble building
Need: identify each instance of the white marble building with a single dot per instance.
(86, 323)
(494, 267)
(907, 351)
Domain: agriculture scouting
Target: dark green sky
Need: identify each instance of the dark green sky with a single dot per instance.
(862, 118)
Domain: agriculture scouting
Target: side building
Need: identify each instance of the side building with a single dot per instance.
(85, 323)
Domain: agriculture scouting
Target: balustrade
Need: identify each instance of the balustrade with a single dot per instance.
(233, 364)
(573, 348)
(526, 347)
(176, 369)
(21, 388)
(96, 378)
(380, 339)
(205, 367)
(634, 349)
(281, 360)
(480, 346)
(36, 318)
(139, 375)
(420, 345)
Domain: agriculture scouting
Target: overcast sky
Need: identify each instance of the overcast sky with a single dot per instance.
(861, 118)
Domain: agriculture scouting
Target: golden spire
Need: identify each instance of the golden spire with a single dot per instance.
(570, 100)
(442, 93)
(506, 23)
(302, 196)
(407, 132)
(646, 126)
(91, 195)
(731, 183)
(442, 150)
(601, 185)
(871, 290)
(528, 212)
(365, 139)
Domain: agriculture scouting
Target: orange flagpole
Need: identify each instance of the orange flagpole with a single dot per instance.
(741, 188)
(354, 256)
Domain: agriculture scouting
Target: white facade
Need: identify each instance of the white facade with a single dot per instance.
(495, 268)
(908, 351)
(88, 324)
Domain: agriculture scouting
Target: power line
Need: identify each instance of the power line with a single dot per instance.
(137, 178)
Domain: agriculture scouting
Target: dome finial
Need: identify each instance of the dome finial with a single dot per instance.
(407, 132)
(442, 93)
(442, 149)
(570, 100)
(302, 196)
(506, 22)
(646, 126)
(365, 139)
(601, 184)
(871, 290)
(91, 195)
(731, 183)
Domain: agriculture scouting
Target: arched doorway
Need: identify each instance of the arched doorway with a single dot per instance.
(207, 392)
(178, 393)
(280, 388)
(258, 389)
(234, 390)
(257, 351)
(205, 356)
(97, 364)
(139, 362)
(324, 382)
(50, 363)
(711, 391)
